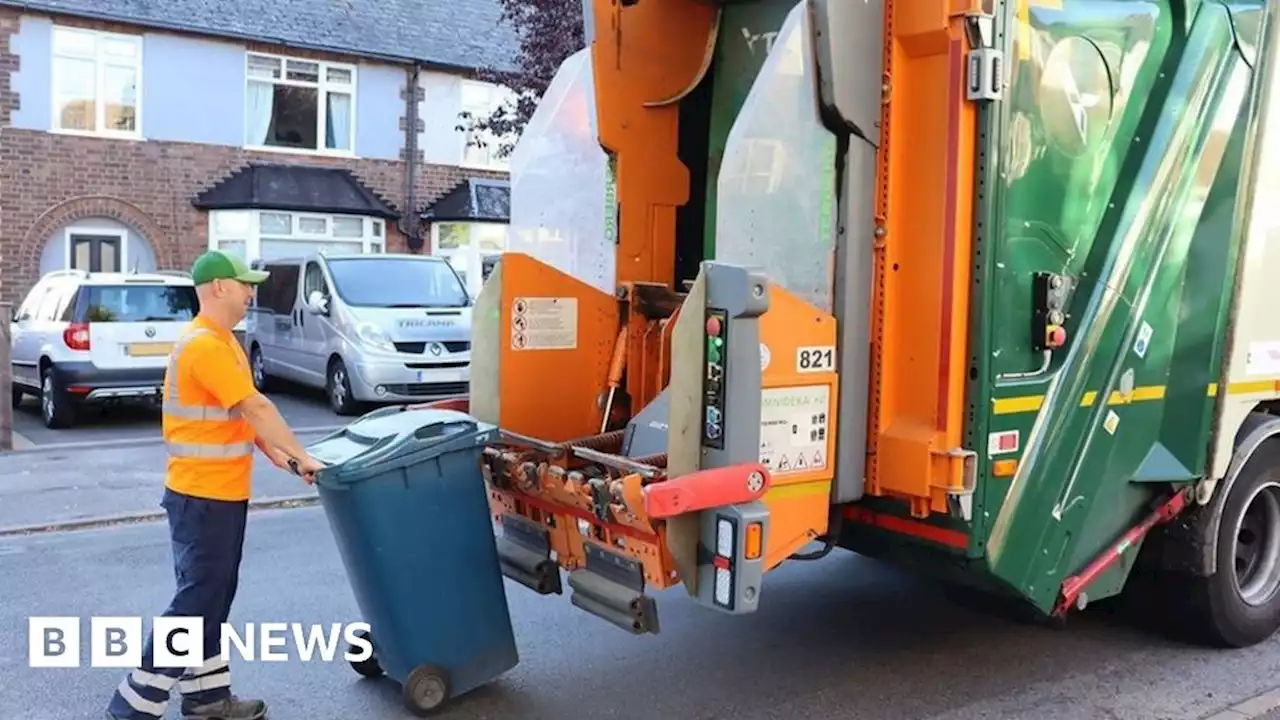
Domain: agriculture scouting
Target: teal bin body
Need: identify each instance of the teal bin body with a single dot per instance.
(405, 498)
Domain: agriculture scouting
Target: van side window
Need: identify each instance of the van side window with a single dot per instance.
(287, 290)
(279, 291)
(314, 280)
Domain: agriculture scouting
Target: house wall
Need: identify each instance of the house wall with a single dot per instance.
(192, 126)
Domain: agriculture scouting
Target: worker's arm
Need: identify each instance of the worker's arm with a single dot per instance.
(265, 419)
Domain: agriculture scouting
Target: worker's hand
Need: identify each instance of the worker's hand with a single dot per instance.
(307, 467)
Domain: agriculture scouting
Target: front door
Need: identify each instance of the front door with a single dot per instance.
(95, 253)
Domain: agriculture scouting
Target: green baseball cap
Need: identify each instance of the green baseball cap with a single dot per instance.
(219, 265)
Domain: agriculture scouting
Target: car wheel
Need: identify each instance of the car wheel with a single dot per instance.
(17, 397)
(56, 409)
(338, 387)
(258, 365)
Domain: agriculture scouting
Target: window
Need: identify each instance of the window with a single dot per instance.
(299, 104)
(96, 82)
(471, 248)
(280, 290)
(270, 235)
(397, 283)
(313, 281)
(481, 99)
(95, 249)
(141, 303)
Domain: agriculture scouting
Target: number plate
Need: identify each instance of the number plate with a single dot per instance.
(148, 349)
(441, 376)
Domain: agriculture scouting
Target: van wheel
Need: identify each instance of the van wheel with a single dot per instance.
(259, 366)
(338, 387)
(1239, 605)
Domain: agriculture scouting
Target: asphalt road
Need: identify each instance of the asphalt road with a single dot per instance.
(841, 638)
(301, 407)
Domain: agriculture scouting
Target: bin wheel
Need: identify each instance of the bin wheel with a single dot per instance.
(369, 667)
(426, 689)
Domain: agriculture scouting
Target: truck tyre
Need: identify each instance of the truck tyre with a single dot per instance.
(1239, 604)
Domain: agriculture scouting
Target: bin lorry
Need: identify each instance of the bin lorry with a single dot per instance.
(986, 288)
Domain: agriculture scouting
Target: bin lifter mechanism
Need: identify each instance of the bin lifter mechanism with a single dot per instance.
(722, 473)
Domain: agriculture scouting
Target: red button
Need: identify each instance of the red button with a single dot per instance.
(713, 326)
(1055, 336)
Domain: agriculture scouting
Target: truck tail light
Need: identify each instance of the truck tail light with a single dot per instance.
(752, 549)
(76, 336)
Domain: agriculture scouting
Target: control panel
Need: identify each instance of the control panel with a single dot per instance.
(713, 383)
(1049, 293)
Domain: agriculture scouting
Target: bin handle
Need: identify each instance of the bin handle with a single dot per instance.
(444, 429)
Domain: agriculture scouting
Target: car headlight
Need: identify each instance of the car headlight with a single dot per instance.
(374, 336)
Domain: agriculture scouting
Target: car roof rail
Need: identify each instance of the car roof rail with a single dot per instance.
(175, 273)
(67, 272)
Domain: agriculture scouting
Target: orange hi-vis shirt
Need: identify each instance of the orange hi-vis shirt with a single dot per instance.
(210, 446)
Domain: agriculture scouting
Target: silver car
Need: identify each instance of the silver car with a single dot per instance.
(366, 328)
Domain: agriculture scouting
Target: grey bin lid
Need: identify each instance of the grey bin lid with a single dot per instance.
(393, 437)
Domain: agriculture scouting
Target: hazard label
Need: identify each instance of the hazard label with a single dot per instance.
(540, 323)
(794, 433)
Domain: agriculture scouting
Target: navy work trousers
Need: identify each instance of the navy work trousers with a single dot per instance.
(208, 538)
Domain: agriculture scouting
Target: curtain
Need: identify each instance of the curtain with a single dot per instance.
(258, 111)
(338, 125)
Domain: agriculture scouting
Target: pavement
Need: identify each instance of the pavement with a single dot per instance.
(839, 638)
(70, 487)
(111, 467)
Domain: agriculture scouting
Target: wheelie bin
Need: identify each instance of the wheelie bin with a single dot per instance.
(405, 498)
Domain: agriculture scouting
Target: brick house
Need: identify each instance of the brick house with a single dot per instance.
(136, 135)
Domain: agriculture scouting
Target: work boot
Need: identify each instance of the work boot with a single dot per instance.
(231, 708)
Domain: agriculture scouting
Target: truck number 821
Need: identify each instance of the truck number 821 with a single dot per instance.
(816, 359)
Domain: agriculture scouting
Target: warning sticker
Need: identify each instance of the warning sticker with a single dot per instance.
(794, 428)
(544, 323)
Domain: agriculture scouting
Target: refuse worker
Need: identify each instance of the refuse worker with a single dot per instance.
(213, 418)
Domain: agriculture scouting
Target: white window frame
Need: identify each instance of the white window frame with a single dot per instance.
(373, 239)
(100, 64)
(91, 229)
(324, 86)
(474, 158)
(474, 258)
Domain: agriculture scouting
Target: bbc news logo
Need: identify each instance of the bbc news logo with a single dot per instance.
(116, 642)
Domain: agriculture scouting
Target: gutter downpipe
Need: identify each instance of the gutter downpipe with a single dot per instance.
(410, 223)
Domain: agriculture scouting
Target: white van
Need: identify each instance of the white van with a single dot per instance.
(366, 328)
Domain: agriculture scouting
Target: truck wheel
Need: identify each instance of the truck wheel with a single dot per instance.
(1239, 605)
(425, 690)
(369, 667)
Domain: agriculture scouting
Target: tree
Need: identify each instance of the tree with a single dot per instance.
(549, 31)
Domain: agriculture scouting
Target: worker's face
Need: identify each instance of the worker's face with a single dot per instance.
(233, 297)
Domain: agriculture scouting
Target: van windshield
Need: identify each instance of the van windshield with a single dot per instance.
(397, 283)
